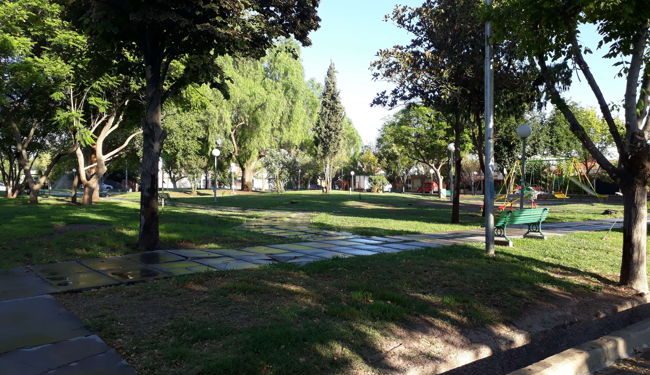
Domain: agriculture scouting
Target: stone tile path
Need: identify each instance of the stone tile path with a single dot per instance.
(38, 336)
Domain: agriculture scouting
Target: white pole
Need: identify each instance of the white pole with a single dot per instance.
(488, 203)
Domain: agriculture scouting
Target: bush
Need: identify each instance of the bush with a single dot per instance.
(377, 183)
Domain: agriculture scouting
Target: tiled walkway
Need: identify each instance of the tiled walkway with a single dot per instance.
(40, 337)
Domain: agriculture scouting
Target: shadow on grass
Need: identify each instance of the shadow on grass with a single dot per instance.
(57, 231)
(343, 315)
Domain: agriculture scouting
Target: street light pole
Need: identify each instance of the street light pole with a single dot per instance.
(299, 170)
(488, 203)
(431, 177)
(524, 131)
(215, 153)
(351, 181)
(451, 147)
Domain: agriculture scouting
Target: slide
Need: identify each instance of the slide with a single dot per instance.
(586, 188)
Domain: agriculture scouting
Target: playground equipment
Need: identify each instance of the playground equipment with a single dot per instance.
(572, 172)
(509, 194)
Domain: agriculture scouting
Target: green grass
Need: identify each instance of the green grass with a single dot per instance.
(55, 231)
(338, 316)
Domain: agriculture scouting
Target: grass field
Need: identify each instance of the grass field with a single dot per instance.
(56, 231)
(339, 316)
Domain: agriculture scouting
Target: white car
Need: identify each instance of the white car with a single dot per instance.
(3, 187)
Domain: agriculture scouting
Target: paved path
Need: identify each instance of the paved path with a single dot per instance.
(38, 336)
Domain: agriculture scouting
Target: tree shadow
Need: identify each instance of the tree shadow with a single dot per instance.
(384, 313)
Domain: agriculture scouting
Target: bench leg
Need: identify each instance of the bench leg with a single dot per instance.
(501, 237)
(535, 230)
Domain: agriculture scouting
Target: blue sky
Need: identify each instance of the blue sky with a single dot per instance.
(353, 31)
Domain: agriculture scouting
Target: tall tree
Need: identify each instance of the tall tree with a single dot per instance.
(442, 67)
(178, 42)
(329, 126)
(548, 33)
(38, 55)
(421, 135)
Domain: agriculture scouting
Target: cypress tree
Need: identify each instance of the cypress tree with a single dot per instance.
(329, 126)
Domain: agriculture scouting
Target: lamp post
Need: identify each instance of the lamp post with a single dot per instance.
(215, 152)
(431, 176)
(232, 177)
(299, 170)
(472, 176)
(351, 181)
(488, 177)
(524, 131)
(451, 147)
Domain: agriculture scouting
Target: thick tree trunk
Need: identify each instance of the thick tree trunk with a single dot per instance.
(89, 191)
(247, 174)
(635, 227)
(328, 176)
(153, 136)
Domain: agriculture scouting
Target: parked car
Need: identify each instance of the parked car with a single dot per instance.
(3, 187)
(105, 187)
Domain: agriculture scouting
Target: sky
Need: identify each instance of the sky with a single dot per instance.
(351, 33)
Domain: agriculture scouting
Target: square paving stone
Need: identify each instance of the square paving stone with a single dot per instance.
(230, 252)
(21, 282)
(194, 253)
(182, 268)
(422, 244)
(328, 254)
(386, 250)
(368, 247)
(318, 245)
(134, 274)
(154, 257)
(103, 264)
(35, 321)
(72, 276)
(256, 259)
(287, 257)
(225, 263)
(292, 247)
(40, 359)
(264, 250)
(352, 251)
(107, 363)
(385, 239)
(365, 241)
(341, 243)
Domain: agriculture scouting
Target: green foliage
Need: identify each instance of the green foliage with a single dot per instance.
(277, 164)
(378, 183)
(329, 128)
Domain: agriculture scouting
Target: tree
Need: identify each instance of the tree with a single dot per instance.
(442, 67)
(329, 127)
(277, 164)
(178, 43)
(38, 55)
(548, 33)
(420, 134)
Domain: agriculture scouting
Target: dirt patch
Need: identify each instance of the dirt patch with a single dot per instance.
(60, 229)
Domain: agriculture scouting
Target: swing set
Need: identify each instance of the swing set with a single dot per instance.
(509, 194)
(572, 172)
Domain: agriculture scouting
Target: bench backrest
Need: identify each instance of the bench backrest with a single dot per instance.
(525, 216)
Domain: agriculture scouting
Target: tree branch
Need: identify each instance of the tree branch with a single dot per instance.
(595, 88)
(634, 71)
(114, 153)
(574, 125)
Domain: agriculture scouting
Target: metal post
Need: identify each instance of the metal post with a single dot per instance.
(451, 175)
(523, 174)
(126, 168)
(489, 139)
(232, 180)
(299, 179)
(214, 188)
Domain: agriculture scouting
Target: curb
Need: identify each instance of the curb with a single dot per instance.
(594, 355)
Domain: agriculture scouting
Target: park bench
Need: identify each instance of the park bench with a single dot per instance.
(533, 217)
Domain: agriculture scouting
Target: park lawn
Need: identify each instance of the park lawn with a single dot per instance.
(339, 316)
(55, 230)
(388, 213)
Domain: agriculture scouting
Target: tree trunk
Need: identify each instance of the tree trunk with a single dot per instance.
(247, 173)
(89, 191)
(455, 208)
(441, 184)
(153, 136)
(635, 227)
(328, 176)
(75, 184)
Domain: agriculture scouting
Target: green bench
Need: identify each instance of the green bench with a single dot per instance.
(533, 217)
